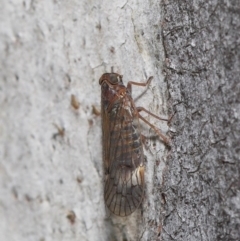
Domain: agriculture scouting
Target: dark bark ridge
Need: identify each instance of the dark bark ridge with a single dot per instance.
(202, 67)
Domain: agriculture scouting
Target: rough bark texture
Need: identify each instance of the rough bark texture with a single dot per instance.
(50, 149)
(202, 185)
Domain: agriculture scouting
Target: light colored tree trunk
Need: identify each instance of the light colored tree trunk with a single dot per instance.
(51, 177)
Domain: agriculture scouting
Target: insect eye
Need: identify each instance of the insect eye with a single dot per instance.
(115, 79)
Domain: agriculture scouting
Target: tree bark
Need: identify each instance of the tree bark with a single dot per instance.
(201, 184)
(52, 54)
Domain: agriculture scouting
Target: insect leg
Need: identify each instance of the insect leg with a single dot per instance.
(157, 117)
(164, 138)
(130, 83)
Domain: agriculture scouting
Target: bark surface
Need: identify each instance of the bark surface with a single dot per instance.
(202, 185)
(52, 54)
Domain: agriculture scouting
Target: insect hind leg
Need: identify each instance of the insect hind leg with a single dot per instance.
(163, 137)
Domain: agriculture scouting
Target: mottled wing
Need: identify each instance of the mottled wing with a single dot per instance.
(123, 158)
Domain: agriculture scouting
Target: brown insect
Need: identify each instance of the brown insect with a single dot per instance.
(123, 155)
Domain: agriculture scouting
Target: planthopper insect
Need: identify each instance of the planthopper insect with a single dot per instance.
(123, 155)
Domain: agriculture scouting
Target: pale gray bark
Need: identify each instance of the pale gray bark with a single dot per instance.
(51, 180)
(49, 51)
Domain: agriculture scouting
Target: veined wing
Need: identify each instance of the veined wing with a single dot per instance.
(124, 158)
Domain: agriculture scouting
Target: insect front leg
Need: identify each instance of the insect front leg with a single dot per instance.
(130, 83)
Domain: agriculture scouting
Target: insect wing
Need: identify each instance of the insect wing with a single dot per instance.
(123, 158)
